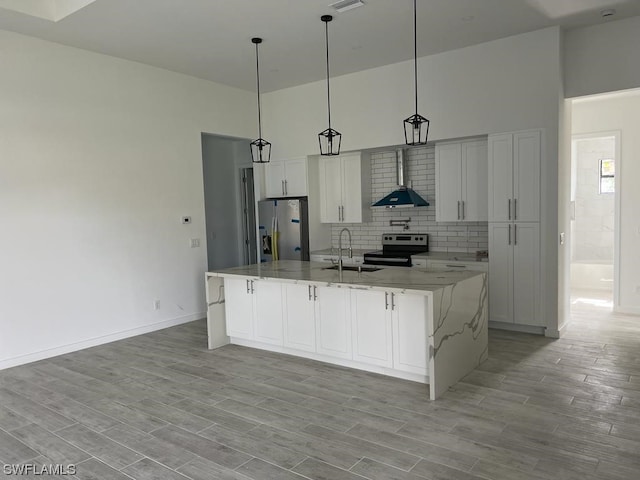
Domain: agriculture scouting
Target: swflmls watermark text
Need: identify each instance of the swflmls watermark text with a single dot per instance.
(39, 469)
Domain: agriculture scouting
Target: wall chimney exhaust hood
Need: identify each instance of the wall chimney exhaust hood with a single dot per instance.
(403, 197)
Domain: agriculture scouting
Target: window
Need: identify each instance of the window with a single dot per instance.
(607, 175)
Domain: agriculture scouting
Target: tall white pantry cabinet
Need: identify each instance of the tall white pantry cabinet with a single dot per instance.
(514, 228)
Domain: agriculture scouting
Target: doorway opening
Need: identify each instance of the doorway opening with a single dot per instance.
(228, 196)
(593, 271)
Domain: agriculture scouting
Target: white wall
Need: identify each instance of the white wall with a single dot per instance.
(602, 58)
(504, 85)
(607, 113)
(99, 159)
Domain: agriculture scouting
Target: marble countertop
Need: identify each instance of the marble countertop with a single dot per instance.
(357, 252)
(443, 256)
(451, 256)
(396, 279)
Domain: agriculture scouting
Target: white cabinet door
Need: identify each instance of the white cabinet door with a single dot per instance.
(448, 182)
(351, 189)
(371, 327)
(500, 177)
(274, 178)
(268, 312)
(409, 322)
(333, 322)
(295, 177)
(238, 308)
(299, 317)
(526, 175)
(474, 177)
(526, 274)
(330, 190)
(501, 272)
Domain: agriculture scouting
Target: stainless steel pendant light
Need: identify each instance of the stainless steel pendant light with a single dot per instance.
(329, 139)
(260, 148)
(416, 127)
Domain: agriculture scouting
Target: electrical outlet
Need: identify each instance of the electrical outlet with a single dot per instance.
(186, 220)
(156, 304)
(194, 242)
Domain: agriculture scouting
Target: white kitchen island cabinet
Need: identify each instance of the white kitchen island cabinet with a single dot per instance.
(420, 325)
(371, 327)
(254, 310)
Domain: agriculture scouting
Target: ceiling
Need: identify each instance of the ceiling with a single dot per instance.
(211, 39)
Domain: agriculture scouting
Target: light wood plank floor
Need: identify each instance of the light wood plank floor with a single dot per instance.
(160, 406)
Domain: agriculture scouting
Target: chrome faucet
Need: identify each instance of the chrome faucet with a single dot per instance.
(340, 249)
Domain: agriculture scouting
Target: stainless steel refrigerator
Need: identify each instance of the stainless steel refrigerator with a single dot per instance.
(288, 219)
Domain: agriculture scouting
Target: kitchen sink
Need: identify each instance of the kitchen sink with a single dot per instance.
(354, 268)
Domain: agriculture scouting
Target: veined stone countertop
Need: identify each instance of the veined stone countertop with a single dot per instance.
(357, 252)
(397, 279)
(451, 256)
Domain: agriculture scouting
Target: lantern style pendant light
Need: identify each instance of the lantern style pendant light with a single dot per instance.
(329, 139)
(260, 148)
(416, 127)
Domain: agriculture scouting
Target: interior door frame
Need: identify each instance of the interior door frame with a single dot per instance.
(615, 134)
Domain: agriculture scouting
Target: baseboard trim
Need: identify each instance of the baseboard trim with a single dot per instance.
(627, 310)
(413, 377)
(94, 342)
(517, 328)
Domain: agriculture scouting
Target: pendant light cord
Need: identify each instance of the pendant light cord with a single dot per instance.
(326, 35)
(415, 51)
(258, 83)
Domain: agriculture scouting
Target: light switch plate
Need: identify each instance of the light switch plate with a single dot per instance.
(562, 238)
(194, 242)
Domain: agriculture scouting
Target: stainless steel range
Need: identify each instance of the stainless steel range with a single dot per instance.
(397, 249)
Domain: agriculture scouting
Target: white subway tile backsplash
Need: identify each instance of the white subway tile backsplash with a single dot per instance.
(420, 174)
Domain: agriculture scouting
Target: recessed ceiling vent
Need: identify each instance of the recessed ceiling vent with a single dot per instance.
(344, 5)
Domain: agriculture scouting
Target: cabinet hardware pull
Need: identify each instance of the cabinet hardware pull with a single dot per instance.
(315, 293)
(339, 213)
(286, 188)
(509, 208)
(251, 286)
(309, 292)
(509, 235)
(342, 210)
(456, 266)
(515, 208)
(393, 303)
(458, 209)
(386, 300)
(515, 234)
(282, 186)
(462, 209)
(247, 286)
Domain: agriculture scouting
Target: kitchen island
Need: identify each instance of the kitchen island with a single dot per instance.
(416, 324)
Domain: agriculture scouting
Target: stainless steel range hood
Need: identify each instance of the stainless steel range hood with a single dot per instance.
(403, 197)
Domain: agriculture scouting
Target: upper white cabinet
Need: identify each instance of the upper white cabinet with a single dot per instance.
(345, 188)
(461, 181)
(514, 176)
(286, 178)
